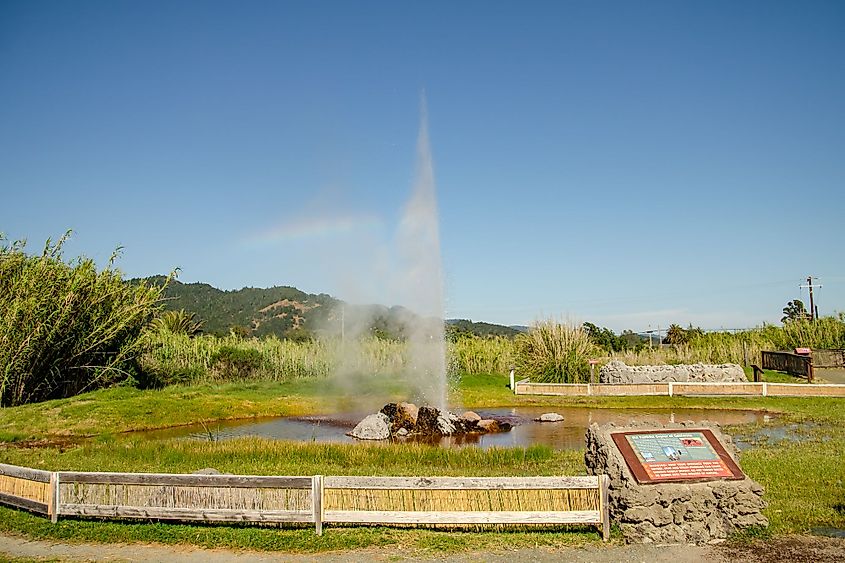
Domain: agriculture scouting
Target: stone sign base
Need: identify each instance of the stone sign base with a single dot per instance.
(666, 513)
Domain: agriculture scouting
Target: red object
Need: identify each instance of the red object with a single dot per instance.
(593, 362)
(803, 351)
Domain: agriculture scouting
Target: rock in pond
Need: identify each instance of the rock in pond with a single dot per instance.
(489, 425)
(373, 427)
(471, 416)
(406, 419)
(550, 417)
(401, 415)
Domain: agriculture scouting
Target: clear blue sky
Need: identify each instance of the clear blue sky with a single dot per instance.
(628, 163)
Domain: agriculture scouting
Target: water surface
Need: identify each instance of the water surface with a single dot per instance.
(566, 435)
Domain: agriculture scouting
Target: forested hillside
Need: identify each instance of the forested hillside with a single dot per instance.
(275, 310)
(288, 312)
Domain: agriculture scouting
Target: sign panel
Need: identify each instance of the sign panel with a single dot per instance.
(661, 456)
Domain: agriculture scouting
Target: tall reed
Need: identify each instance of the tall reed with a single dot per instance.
(555, 352)
(65, 327)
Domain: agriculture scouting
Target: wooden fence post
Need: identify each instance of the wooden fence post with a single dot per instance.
(53, 498)
(317, 503)
(604, 485)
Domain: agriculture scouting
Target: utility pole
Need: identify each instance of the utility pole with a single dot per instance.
(810, 286)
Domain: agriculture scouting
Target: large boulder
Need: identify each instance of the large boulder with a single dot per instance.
(618, 372)
(405, 419)
(401, 415)
(489, 425)
(373, 427)
(471, 416)
(434, 422)
(699, 513)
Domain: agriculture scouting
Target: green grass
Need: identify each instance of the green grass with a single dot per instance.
(772, 376)
(260, 456)
(122, 409)
(804, 481)
(302, 540)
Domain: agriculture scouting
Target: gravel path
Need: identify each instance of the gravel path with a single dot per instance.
(830, 375)
(809, 549)
(19, 547)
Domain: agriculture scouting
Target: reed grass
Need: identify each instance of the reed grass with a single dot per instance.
(554, 352)
(179, 359)
(471, 355)
(65, 327)
(551, 351)
(742, 347)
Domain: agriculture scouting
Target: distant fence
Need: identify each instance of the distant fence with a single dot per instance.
(527, 387)
(793, 364)
(413, 501)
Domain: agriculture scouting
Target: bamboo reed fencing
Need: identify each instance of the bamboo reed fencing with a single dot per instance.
(403, 501)
(527, 387)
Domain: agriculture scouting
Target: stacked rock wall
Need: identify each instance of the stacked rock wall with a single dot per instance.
(619, 372)
(668, 513)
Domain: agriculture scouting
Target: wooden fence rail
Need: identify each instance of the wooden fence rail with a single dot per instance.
(793, 364)
(435, 501)
(749, 389)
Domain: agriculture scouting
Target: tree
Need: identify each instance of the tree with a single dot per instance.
(676, 335)
(629, 340)
(603, 337)
(794, 311)
(177, 322)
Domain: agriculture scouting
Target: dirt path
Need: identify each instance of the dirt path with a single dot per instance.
(793, 548)
(20, 547)
(830, 375)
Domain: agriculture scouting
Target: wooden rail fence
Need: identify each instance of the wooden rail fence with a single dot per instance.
(793, 364)
(749, 389)
(412, 501)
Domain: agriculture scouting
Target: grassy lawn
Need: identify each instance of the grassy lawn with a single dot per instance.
(805, 481)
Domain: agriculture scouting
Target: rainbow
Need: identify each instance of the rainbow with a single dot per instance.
(313, 228)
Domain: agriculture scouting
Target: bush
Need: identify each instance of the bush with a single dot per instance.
(232, 362)
(65, 328)
(555, 352)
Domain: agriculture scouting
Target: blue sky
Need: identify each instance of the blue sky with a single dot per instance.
(632, 164)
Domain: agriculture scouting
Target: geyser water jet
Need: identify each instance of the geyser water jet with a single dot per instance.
(404, 269)
(421, 277)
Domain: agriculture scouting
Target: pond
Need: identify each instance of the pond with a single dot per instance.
(567, 435)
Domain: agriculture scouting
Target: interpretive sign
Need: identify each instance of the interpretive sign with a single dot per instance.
(661, 456)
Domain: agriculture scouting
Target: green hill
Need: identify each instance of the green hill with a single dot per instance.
(286, 311)
(275, 310)
(464, 326)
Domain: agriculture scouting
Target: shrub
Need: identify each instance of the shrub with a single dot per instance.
(232, 362)
(65, 328)
(555, 352)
